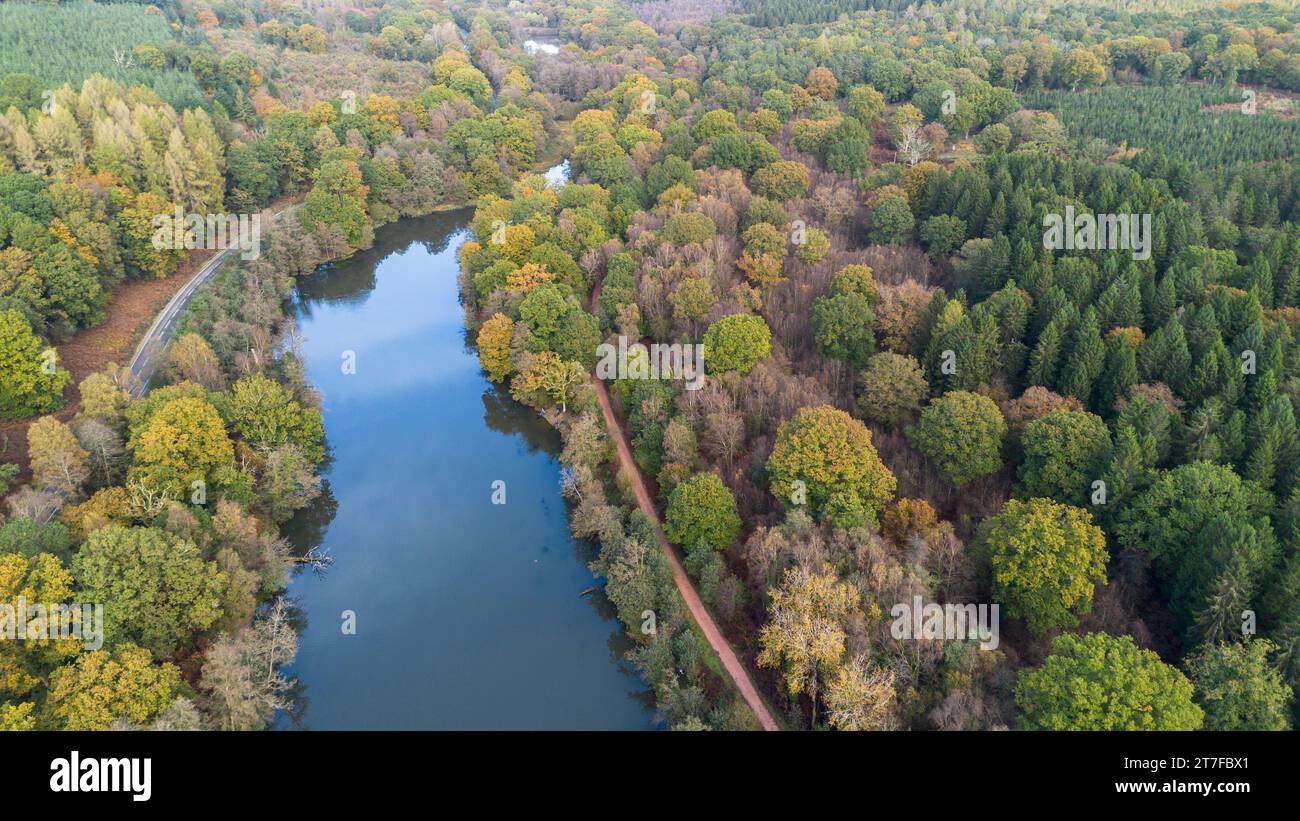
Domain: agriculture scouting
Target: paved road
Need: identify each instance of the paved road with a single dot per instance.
(145, 359)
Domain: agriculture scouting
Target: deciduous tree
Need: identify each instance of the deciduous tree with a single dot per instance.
(824, 458)
(30, 380)
(156, 590)
(962, 433)
(702, 510)
(1101, 682)
(804, 635)
(1046, 557)
(103, 686)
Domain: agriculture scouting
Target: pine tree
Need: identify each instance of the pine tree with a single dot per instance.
(1129, 471)
(1259, 280)
(1084, 360)
(1261, 466)
(1118, 375)
(1043, 361)
(1230, 595)
(1165, 358)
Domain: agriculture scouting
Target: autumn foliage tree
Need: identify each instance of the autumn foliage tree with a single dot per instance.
(183, 442)
(104, 686)
(821, 83)
(42, 578)
(57, 458)
(494, 346)
(891, 389)
(1046, 558)
(824, 458)
(805, 632)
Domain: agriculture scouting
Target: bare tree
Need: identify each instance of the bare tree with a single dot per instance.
(913, 146)
(107, 453)
(241, 676)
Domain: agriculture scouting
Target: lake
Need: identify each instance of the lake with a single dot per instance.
(468, 614)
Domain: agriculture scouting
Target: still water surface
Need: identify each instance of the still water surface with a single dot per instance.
(469, 615)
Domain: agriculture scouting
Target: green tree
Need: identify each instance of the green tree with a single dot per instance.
(855, 279)
(1065, 452)
(1118, 376)
(842, 327)
(1046, 557)
(892, 222)
(688, 227)
(702, 510)
(1085, 357)
(942, 235)
(30, 380)
(1203, 525)
(846, 147)
(782, 180)
(337, 198)
(865, 104)
(559, 325)
(546, 379)
(814, 247)
(264, 413)
(1239, 688)
(713, 124)
(961, 433)
(737, 342)
(693, 299)
(157, 590)
(1102, 682)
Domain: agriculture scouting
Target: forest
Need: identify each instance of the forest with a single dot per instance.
(910, 396)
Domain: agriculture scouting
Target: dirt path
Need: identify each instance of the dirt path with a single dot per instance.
(730, 661)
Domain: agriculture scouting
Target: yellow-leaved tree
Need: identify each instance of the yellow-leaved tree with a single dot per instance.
(804, 634)
(494, 346)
